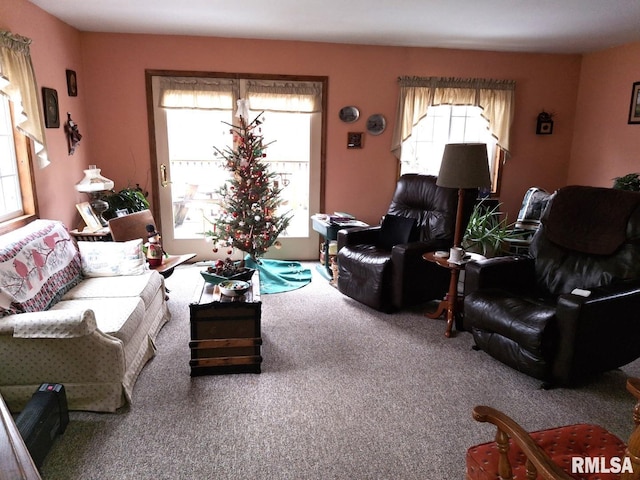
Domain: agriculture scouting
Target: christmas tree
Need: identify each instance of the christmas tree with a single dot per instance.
(248, 219)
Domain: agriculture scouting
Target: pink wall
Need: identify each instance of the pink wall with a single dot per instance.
(55, 47)
(111, 106)
(358, 181)
(605, 146)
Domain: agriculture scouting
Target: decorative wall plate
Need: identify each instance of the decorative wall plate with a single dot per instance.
(376, 124)
(349, 114)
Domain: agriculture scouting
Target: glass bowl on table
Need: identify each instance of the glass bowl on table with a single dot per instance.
(234, 288)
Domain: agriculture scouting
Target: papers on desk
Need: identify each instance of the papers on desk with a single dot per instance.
(339, 219)
(349, 223)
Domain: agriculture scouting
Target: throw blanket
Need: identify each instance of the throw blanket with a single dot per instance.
(590, 219)
(277, 276)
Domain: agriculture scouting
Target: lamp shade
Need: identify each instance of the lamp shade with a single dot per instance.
(93, 181)
(464, 165)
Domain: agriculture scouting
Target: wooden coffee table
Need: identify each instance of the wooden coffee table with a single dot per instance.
(225, 331)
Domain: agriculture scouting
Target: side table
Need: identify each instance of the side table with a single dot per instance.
(102, 235)
(451, 304)
(171, 262)
(225, 331)
(329, 231)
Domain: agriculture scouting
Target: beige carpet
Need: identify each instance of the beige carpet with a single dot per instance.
(345, 393)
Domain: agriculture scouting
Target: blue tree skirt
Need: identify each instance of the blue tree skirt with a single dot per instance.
(277, 276)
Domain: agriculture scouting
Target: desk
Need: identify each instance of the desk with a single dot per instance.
(329, 231)
(451, 303)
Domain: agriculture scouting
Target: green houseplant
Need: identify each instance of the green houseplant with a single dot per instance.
(132, 199)
(630, 181)
(488, 231)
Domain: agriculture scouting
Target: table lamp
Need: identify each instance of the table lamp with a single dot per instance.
(464, 165)
(92, 184)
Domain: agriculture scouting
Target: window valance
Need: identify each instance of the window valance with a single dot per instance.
(18, 83)
(221, 94)
(417, 94)
(198, 93)
(299, 97)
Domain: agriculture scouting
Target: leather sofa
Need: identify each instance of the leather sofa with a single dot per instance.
(382, 266)
(569, 310)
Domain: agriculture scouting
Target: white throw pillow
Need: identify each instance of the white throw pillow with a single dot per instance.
(109, 259)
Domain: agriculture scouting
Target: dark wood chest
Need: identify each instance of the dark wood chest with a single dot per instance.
(225, 331)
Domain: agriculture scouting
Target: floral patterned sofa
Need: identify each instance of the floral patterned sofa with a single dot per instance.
(64, 321)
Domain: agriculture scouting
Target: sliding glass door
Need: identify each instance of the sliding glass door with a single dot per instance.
(192, 114)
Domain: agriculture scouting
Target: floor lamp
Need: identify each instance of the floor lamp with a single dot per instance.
(464, 165)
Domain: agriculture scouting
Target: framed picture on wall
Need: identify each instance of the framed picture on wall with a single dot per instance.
(72, 83)
(50, 105)
(354, 140)
(634, 108)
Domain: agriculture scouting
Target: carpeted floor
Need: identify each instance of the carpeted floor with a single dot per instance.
(345, 393)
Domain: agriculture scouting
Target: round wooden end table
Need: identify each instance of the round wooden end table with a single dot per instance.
(451, 304)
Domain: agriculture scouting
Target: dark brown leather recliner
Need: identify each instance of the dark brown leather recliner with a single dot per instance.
(382, 266)
(522, 310)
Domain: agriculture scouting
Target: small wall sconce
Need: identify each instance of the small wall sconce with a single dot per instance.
(544, 125)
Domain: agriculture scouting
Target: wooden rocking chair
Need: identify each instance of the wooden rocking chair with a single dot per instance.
(548, 454)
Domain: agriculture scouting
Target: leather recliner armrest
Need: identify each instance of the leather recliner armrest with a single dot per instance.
(582, 322)
(414, 276)
(499, 272)
(407, 255)
(415, 250)
(358, 236)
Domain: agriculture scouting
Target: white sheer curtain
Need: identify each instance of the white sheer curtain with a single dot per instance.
(417, 94)
(18, 83)
(198, 93)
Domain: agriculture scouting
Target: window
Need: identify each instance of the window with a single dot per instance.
(191, 139)
(198, 115)
(17, 192)
(21, 132)
(422, 151)
(434, 111)
(10, 197)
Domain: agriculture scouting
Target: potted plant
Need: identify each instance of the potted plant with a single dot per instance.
(630, 181)
(131, 199)
(488, 232)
